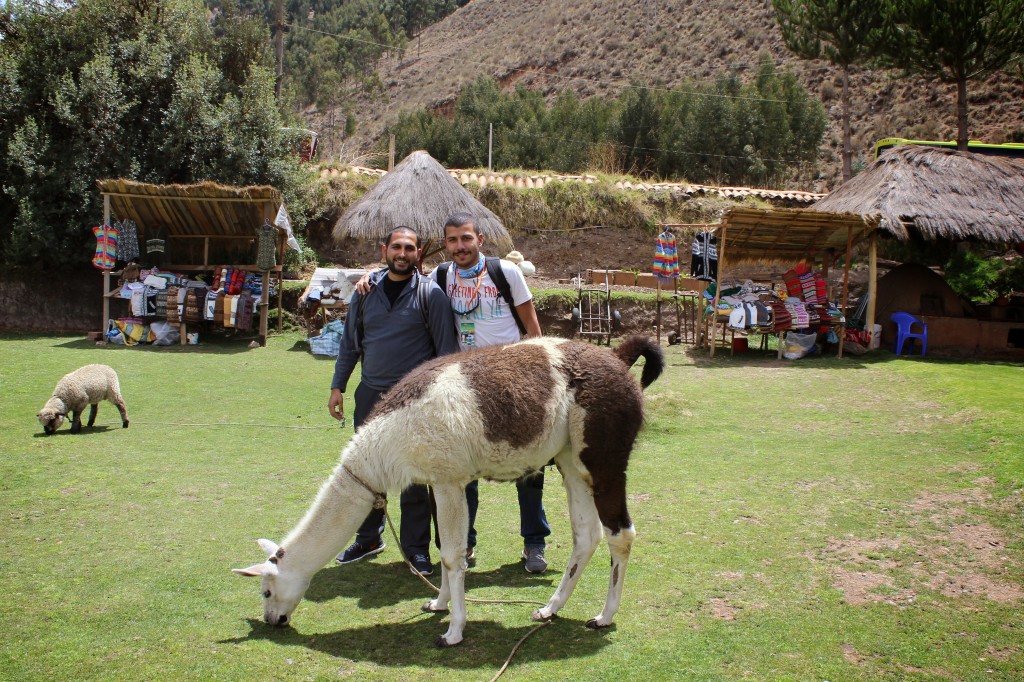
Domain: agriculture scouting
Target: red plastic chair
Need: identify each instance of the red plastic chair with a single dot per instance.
(904, 331)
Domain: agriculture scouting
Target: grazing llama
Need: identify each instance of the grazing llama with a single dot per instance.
(497, 413)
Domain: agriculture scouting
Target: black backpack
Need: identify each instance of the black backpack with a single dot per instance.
(493, 266)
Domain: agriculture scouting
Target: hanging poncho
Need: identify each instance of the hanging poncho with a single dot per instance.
(666, 257)
(127, 241)
(704, 263)
(106, 247)
(266, 247)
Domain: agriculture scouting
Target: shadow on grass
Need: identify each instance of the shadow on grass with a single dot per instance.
(214, 345)
(302, 346)
(86, 430)
(410, 642)
(378, 585)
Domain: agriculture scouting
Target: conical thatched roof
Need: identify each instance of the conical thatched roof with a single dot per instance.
(419, 193)
(941, 193)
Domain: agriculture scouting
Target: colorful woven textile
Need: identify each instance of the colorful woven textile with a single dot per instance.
(666, 256)
(106, 247)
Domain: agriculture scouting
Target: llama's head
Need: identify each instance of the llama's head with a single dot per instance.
(282, 589)
(51, 418)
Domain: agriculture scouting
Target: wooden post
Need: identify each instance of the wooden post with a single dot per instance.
(826, 260)
(391, 153)
(846, 285)
(264, 306)
(657, 317)
(280, 296)
(106, 273)
(279, 47)
(718, 287)
(872, 282)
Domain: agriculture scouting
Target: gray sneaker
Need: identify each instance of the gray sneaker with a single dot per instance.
(535, 562)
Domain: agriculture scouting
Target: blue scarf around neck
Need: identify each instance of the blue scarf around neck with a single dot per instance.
(469, 273)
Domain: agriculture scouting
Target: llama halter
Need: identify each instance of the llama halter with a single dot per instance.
(380, 501)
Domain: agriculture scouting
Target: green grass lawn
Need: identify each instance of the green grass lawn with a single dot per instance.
(823, 519)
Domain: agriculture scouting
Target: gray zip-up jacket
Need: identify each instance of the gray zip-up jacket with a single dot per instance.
(395, 339)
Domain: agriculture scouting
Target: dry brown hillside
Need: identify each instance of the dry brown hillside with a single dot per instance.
(597, 46)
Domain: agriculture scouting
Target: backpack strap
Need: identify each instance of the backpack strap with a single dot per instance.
(374, 278)
(493, 266)
(442, 276)
(423, 294)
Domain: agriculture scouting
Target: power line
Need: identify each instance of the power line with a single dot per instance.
(590, 143)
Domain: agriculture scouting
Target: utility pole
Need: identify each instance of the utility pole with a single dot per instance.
(490, 145)
(279, 45)
(391, 152)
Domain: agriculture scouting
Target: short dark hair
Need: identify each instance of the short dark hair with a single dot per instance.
(402, 228)
(459, 219)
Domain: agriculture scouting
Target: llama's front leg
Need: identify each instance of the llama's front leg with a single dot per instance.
(452, 526)
(586, 534)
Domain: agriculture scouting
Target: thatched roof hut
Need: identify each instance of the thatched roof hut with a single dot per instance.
(937, 193)
(419, 193)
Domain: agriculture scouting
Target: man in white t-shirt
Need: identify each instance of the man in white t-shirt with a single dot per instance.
(484, 318)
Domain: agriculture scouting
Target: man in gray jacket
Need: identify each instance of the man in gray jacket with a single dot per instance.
(389, 333)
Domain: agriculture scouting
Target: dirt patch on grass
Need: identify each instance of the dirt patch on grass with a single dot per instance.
(723, 610)
(956, 555)
(851, 654)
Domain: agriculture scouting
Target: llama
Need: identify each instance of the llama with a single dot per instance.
(85, 386)
(497, 413)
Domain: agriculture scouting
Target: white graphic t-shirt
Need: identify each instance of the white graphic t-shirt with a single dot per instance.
(490, 322)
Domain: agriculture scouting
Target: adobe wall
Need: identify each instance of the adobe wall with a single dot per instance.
(967, 337)
(41, 301)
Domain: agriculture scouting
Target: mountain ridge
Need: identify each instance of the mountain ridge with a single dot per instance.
(597, 47)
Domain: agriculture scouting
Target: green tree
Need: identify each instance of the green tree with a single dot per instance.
(954, 41)
(161, 94)
(845, 32)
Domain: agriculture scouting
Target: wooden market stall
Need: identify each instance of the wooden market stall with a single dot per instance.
(790, 236)
(203, 227)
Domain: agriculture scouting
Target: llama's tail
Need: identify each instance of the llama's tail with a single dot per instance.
(630, 350)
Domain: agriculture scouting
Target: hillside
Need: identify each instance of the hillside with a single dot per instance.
(595, 47)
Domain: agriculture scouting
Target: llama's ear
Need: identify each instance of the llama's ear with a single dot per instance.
(267, 546)
(266, 568)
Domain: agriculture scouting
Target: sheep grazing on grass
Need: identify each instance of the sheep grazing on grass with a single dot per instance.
(85, 386)
(498, 413)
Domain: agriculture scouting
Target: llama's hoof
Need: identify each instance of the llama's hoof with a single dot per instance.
(596, 624)
(430, 607)
(540, 616)
(442, 643)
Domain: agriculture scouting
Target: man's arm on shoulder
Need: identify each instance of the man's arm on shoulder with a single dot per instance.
(441, 321)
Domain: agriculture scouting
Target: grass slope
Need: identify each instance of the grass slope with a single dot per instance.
(820, 519)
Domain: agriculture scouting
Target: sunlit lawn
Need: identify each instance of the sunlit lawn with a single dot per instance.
(855, 519)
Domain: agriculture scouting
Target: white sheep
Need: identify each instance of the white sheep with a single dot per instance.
(499, 413)
(85, 386)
